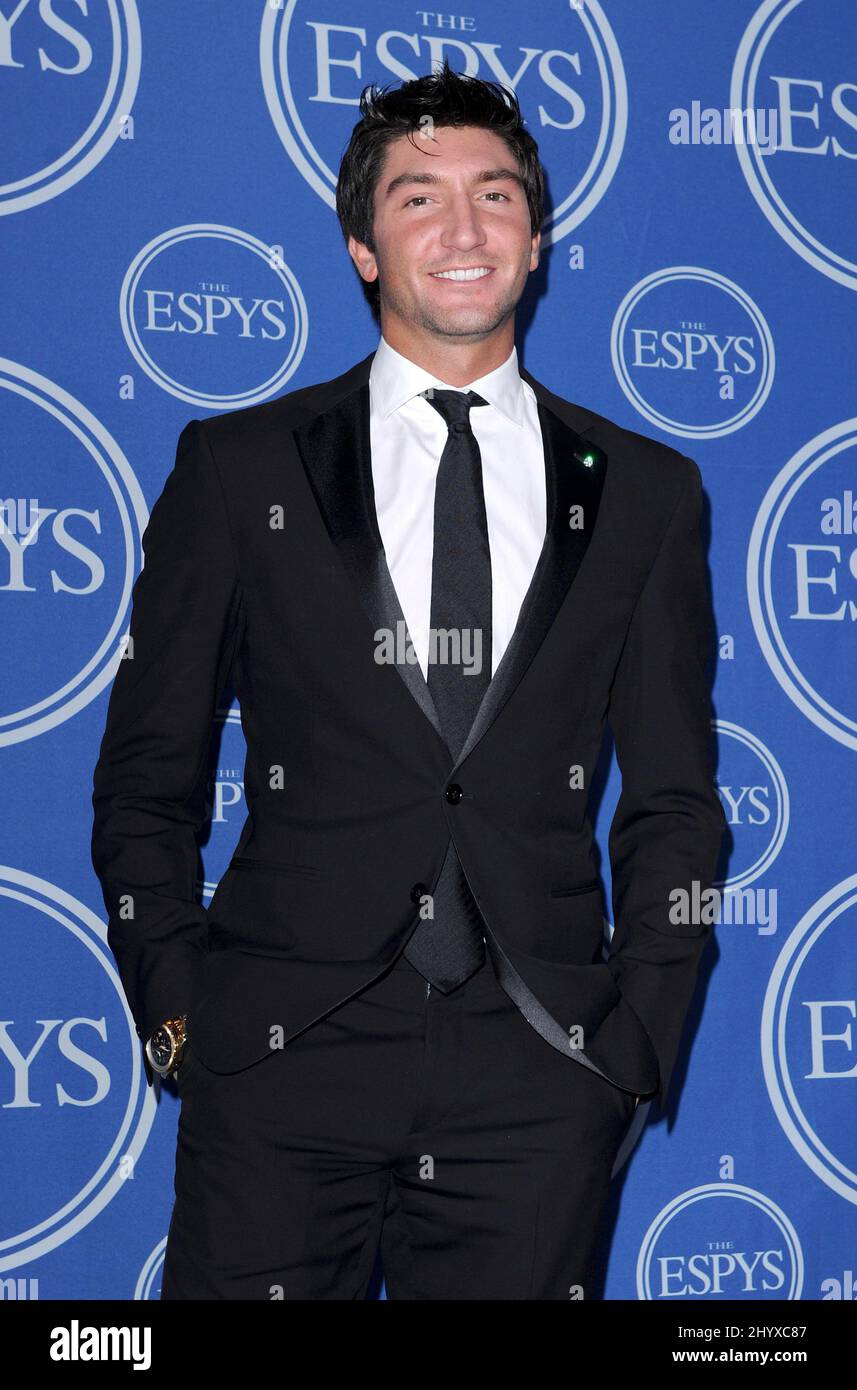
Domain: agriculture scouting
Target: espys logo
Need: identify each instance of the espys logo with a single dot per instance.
(148, 1286)
(692, 352)
(68, 1045)
(71, 71)
(214, 316)
(720, 1240)
(69, 498)
(561, 60)
(809, 1041)
(755, 797)
(802, 580)
(226, 807)
(792, 58)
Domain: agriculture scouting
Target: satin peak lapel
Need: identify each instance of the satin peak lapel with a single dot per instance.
(574, 483)
(336, 455)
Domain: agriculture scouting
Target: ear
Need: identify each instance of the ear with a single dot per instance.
(534, 250)
(364, 259)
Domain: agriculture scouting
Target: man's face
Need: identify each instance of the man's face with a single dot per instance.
(449, 203)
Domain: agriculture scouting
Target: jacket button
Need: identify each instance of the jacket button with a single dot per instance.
(418, 892)
(453, 794)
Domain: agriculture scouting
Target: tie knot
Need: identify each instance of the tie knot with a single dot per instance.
(454, 406)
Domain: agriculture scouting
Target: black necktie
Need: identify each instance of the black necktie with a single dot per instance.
(448, 947)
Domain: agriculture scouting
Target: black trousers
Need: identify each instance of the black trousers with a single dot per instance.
(441, 1126)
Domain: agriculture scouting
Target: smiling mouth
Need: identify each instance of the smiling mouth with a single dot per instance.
(477, 272)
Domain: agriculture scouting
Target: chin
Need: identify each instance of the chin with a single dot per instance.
(465, 322)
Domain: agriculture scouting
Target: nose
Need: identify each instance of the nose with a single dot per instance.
(463, 229)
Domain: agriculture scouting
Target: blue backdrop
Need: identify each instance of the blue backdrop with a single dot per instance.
(170, 250)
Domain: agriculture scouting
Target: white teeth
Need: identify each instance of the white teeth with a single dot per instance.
(475, 274)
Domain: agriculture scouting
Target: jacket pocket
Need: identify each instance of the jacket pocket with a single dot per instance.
(579, 888)
(276, 866)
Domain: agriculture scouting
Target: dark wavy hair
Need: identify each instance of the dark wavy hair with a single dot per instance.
(446, 98)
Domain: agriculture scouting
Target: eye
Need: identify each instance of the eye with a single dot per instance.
(417, 198)
(495, 193)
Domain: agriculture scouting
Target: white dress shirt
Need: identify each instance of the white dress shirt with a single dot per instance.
(407, 439)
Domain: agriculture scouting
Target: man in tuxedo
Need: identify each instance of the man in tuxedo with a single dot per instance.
(430, 583)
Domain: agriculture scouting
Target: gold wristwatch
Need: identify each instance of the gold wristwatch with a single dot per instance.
(165, 1047)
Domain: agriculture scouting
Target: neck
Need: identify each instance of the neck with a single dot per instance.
(452, 360)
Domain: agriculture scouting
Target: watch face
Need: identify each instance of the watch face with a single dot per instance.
(162, 1047)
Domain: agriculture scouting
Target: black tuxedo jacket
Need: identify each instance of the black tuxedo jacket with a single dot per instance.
(264, 570)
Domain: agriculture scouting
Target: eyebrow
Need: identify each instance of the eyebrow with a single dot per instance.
(424, 177)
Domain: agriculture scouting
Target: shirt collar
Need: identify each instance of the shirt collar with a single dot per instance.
(394, 380)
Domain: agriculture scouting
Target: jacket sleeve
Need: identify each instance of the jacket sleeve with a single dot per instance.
(150, 781)
(667, 829)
